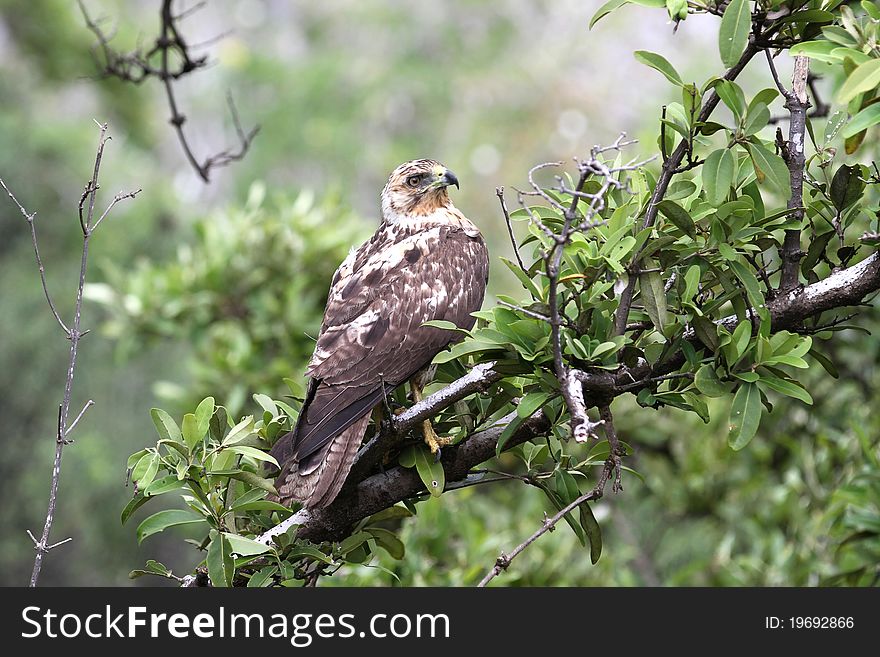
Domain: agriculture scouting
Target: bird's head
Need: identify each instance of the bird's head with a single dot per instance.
(417, 188)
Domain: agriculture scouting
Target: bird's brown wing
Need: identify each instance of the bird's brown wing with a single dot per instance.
(373, 339)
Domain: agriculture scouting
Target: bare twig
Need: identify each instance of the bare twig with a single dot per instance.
(86, 213)
(170, 46)
(504, 560)
(499, 192)
(30, 217)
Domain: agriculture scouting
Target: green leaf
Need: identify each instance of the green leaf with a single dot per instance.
(691, 282)
(756, 118)
(253, 480)
(819, 50)
(191, 431)
(785, 387)
(261, 505)
(708, 383)
(654, 298)
(392, 512)
(163, 520)
(240, 431)
(524, 279)
(749, 281)
(745, 416)
(353, 542)
(145, 471)
(509, 430)
(718, 172)
(204, 411)
(265, 402)
(606, 9)
(388, 541)
(678, 216)
(659, 63)
(430, 471)
(740, 339)
(733, 97)
(846, 187)
(133, 505)
(771, 169)
(220, 563)
(165, 425)
(262, 577)
(866, 77)
(592, 530)
(245, 547)
(254, 453)
(167, 484)
(311, 552)
(734, 32)
(531, 403)
(868, 117)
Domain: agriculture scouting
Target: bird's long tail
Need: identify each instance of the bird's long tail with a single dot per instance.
(317, 480)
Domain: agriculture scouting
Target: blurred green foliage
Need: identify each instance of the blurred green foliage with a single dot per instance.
(210, 304)
(247, 294)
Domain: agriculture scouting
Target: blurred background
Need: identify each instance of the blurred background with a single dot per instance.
(214, 289)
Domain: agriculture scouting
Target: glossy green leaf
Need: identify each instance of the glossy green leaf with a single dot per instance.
(531, 403)
(718, 172)
(654, 298)
(243, 546)
(163, 520)
(789, 388)
(678, 216)
(430, 471)
(191, 430)
(708, 383)
(868, 117)
(388, 541)
(866, 77)
(253, 453)
(659, 63)
(771, 170)
(165, 425)
(846, 187)
(745, 416)
(733, 34)
(220, 563)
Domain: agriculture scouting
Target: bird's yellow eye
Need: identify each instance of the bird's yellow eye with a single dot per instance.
(413, 181)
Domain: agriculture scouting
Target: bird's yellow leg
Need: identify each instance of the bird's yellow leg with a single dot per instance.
(432, 440)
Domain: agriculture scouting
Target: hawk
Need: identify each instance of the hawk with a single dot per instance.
(426, 261)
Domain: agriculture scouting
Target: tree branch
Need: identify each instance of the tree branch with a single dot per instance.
(668, 170)
(362, 498)
(137, 66)
(86, 212)
(797, 103)
(504, 560)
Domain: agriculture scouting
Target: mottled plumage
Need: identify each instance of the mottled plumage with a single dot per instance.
(426, 261)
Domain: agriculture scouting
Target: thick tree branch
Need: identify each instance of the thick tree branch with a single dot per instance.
(385, 489)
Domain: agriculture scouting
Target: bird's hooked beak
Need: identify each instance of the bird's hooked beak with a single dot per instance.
(444, 178)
